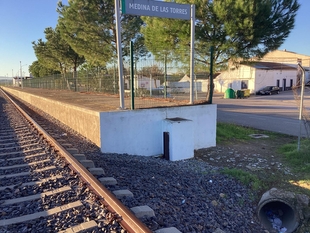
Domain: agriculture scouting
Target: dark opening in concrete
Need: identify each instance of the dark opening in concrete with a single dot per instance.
(277, 209)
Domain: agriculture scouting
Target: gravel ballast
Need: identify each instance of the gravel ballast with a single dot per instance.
(189, 195)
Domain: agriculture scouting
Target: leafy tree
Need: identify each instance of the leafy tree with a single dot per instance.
(154, 70)
(37, 70)
(162, 36)
(45, 57)
(89, 27)
(254, 28)
(55, 53)
(236, 28)
(62, 49)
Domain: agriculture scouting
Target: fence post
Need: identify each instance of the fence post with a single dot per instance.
(165, 76)
(210, 94)
(132, 77)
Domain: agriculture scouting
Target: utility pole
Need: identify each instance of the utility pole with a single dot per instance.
(21, 74)
(301, 106)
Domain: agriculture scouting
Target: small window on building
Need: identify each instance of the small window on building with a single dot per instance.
(291, 82)
(244, 84)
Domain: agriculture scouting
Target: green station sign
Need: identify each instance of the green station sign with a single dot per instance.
(156, 9)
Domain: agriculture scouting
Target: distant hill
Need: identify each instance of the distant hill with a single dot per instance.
(7, 78)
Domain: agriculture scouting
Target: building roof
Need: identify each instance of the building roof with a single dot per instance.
(185, 78)
(270, 65)
(284, 56)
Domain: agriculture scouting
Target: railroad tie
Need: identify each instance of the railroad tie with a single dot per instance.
(84, 227)
(97, 171)
(168, 230)
(108, 181)
(141, 211)
(87, 163)
(72, 150)
(79, 157)
(122, 193)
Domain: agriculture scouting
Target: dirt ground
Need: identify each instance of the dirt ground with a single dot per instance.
(258, 156)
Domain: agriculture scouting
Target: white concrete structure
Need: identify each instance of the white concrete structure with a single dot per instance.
(181, 138)
(140, 132)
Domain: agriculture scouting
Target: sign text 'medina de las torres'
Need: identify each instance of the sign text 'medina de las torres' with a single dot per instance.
(156, 9)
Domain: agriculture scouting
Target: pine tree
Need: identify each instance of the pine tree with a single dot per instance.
(89, 27)
(55, 53)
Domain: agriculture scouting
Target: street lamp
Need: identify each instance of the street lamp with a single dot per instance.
(21, 77)
(21, 73)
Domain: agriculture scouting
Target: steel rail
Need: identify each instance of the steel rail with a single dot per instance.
(127, 219)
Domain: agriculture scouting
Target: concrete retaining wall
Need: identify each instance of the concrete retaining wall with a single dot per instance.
(84, 121)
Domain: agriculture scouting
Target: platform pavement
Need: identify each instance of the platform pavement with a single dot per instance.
(93, 101)
(98, 102)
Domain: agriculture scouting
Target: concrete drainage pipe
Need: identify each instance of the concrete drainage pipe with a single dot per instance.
(276, 210)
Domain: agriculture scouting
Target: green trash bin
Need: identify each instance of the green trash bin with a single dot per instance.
(230, 94)
(240, 94)
(243, 93)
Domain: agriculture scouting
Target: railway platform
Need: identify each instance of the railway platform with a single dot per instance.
(97, 102)
(99, 118)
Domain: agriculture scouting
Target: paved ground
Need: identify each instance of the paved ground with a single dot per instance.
(100, 102)
(278, 113)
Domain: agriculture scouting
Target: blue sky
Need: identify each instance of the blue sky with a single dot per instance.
(21, 23)
(24, 21)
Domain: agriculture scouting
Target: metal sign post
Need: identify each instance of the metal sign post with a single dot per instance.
(192, 50)
(119, 54)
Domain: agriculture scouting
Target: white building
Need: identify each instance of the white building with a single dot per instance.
(142, 82)
(200, 85)
(18, 81)
(269, 71)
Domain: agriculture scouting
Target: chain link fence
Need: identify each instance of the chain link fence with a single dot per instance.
(154, 81)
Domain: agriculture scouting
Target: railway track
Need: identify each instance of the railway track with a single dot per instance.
(43, 188)
(187, 196)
